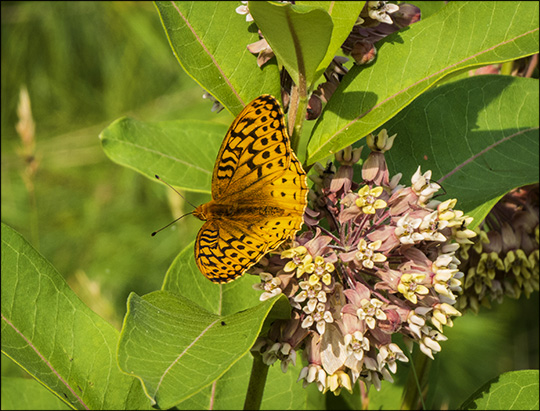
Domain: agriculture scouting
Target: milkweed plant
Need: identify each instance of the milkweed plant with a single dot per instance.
(418, 131)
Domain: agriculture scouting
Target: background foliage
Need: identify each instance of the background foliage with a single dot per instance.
(86, 64)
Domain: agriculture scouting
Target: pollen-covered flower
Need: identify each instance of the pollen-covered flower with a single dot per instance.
(406, 230)
(380, 10)
(301, 261)
(410, 286)
(337, 381)
(370, 311)
(269, 284)
(321, 271)
(431, 227)
(366, 254)
(445, 210)
(430, 341)
(320, 316)
(423, 187)
(441, 315)
(388, 355)
(447, 276)
(369, 201)
(311, 292)
(356, 344)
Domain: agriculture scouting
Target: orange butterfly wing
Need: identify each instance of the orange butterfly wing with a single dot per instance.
(259, 194)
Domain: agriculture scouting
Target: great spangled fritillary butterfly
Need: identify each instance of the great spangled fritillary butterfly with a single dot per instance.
(259, 194)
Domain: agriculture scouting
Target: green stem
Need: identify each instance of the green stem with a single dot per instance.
(259, 371)
(297, 112)
(417, 381)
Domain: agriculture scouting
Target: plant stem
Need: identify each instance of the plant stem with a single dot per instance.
(297, 114)
(257, 380)
(417, 381)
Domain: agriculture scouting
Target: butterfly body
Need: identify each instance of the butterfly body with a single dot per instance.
(246, 211)
(259, 194)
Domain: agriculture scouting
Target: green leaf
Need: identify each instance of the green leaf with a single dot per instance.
(282, 392)
(181, 152)
(461, 36)
(228, 392)
(177, 348)
(210, 41)
(184, 278)
(478, 135)
(28, 394)
(479, 213)
(344, 14)
(515, 390)
(57, 339)
(299, 36)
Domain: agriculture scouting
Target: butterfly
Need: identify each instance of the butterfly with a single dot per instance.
(259, 194)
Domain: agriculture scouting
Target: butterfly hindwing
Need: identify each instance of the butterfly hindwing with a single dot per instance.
(224, 253)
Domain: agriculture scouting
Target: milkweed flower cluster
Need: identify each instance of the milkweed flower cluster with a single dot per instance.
(378, 259)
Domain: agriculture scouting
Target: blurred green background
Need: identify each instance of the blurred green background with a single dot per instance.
(85, 64)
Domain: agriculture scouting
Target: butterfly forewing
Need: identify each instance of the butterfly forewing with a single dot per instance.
(255, 150)
(259, 194)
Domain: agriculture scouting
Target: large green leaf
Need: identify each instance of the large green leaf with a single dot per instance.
(57, 339)
(28, 394)
(228, 392)
(461, 36)
(299, 36)
(184, 278)
(181, 152)
(209, 40)
(478, 135)
(177, 348)
(515, 390)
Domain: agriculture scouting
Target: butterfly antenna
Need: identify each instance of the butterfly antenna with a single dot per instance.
(176, 191)
(172, 222)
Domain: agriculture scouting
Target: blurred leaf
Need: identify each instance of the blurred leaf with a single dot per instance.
(181, 152)
(77, 73)
(177, 348)
(298, 35)
(210, 41)
(28, 394)
(479, 136)
(388, 398)
(52, 335)
(516, 390)
(184, 278)
(461, 36)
